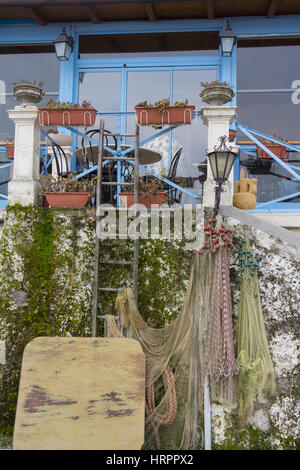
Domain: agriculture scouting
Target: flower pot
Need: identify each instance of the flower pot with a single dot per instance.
(157, 199)
(10, 150)
(79, 199)
(232, 135)
(149, 116)
(216, 95)
(61, 139)
(67, 117)
(279, 150)
(28, 93)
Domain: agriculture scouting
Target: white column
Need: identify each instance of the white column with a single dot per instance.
(24, 188)
(218, 119)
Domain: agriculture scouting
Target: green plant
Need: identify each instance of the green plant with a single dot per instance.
(162, 105)
(215, 83)
(67, 105)
(28, 82)
(67, 184)
(148, 186)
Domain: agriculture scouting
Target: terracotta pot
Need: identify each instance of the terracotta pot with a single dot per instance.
(172, 115)
(79, 199)
(67, 117)
(159, 198)
(11, 150)
(279, 150)
(232, 135)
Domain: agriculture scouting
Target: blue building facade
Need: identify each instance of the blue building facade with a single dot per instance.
(116, 63)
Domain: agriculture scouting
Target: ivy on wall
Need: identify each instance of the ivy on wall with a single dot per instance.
(46, 283)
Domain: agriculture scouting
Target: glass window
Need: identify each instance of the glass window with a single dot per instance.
(268, 76)
(103, 90)
(33, 66)
(267, 98)
(273, 181)
(148, 45)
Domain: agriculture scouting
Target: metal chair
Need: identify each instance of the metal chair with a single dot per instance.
(174, 194)
(91, 159)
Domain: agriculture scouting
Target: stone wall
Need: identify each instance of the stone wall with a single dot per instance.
(46, 275)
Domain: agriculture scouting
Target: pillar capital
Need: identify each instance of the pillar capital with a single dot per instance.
(218, 113)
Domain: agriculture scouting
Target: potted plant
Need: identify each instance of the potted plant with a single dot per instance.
(59, 138)
(67, 114)
(216, 93)
(232, 135)
(10, 145)
(151, 192)
(28, 92)
(162, 113)
(279, 150)
(66, 192)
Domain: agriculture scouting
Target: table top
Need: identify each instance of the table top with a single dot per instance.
(146, 156)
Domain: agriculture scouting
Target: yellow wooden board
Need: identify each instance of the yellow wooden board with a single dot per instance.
(81, 394)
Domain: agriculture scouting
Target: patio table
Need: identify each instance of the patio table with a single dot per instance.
(146, 156)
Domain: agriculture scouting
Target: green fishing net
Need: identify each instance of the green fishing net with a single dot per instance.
(256, 373)
(197, 344)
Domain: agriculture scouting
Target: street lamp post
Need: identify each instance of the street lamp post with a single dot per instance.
(221, 160)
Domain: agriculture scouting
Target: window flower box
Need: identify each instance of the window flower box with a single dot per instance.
(279, 150)
(76, 199)
(162, 113)
(10, 150)
(67, 117)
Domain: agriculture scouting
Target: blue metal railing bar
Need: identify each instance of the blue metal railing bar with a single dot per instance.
(280, 199)
(249, 133)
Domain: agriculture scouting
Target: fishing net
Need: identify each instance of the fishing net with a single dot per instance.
(256, 372)
(180, 355)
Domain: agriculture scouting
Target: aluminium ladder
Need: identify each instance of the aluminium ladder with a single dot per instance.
(100, 184)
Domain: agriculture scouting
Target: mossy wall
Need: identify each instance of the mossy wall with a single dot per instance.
(46, 281)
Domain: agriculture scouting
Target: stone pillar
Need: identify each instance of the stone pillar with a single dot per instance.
(24, 188)
(218, 119)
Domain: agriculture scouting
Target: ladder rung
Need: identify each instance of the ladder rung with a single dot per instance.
(119, 158)
(120, 183)
(108, 289)
(116, 134)
(116, 262)
(103, 317)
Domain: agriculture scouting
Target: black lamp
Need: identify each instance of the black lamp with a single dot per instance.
(221, 160)
(228, 40)
(63, 46)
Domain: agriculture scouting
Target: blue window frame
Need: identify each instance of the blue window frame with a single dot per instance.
(29, 33)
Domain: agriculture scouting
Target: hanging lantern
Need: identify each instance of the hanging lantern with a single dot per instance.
(63, 46)
(228, 40)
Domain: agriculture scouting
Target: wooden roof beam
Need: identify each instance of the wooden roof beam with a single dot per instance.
(93, 14)
(272, 8)
(35, 13)
(210, 8)
(150, 12)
